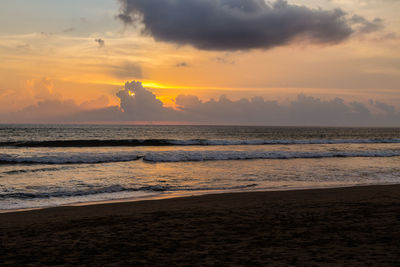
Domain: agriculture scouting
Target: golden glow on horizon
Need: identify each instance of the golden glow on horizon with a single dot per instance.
(155, 85)
(168, 101)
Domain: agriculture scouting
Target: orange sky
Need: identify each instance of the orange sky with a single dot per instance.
(45, 56)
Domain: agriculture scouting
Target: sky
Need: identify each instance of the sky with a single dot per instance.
(248, 62)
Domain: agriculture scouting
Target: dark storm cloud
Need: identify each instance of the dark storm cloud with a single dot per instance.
(239, 24)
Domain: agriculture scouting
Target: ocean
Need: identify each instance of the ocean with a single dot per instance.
(52, 165)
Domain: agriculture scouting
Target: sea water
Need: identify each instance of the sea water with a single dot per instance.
(52, 165)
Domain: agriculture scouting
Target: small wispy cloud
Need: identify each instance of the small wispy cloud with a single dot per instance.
(181, 64)
(100, 42)
(70, 29)
(127, 70)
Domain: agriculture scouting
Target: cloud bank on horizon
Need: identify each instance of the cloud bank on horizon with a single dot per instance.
(138, 104)
(241, 24)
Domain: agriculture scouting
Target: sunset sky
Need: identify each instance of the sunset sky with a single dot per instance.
(295, 62)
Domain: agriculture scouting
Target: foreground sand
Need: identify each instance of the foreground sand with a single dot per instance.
(352, 226)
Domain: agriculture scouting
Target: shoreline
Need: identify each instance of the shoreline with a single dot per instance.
(185, 194)
(338, 226)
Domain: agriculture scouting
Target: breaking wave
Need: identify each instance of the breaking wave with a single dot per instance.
(35, 170)
(184, 156)
(69, 158)
(111, 189)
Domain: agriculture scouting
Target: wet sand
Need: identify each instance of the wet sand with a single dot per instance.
(343, 226)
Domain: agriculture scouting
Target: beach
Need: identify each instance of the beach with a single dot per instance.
(351, 226)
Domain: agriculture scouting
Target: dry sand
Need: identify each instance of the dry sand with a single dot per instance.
(344, 226)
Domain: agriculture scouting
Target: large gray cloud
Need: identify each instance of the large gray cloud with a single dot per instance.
(140, 105)
(240, 24)
(134, 98)
(305, 110)
(56, 110)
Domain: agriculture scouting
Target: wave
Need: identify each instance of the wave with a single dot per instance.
(184, 156)
(191, 142)
(35, 170)
(69, 158)
(111, 189)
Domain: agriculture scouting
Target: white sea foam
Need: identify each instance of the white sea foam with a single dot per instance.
(182, 156)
